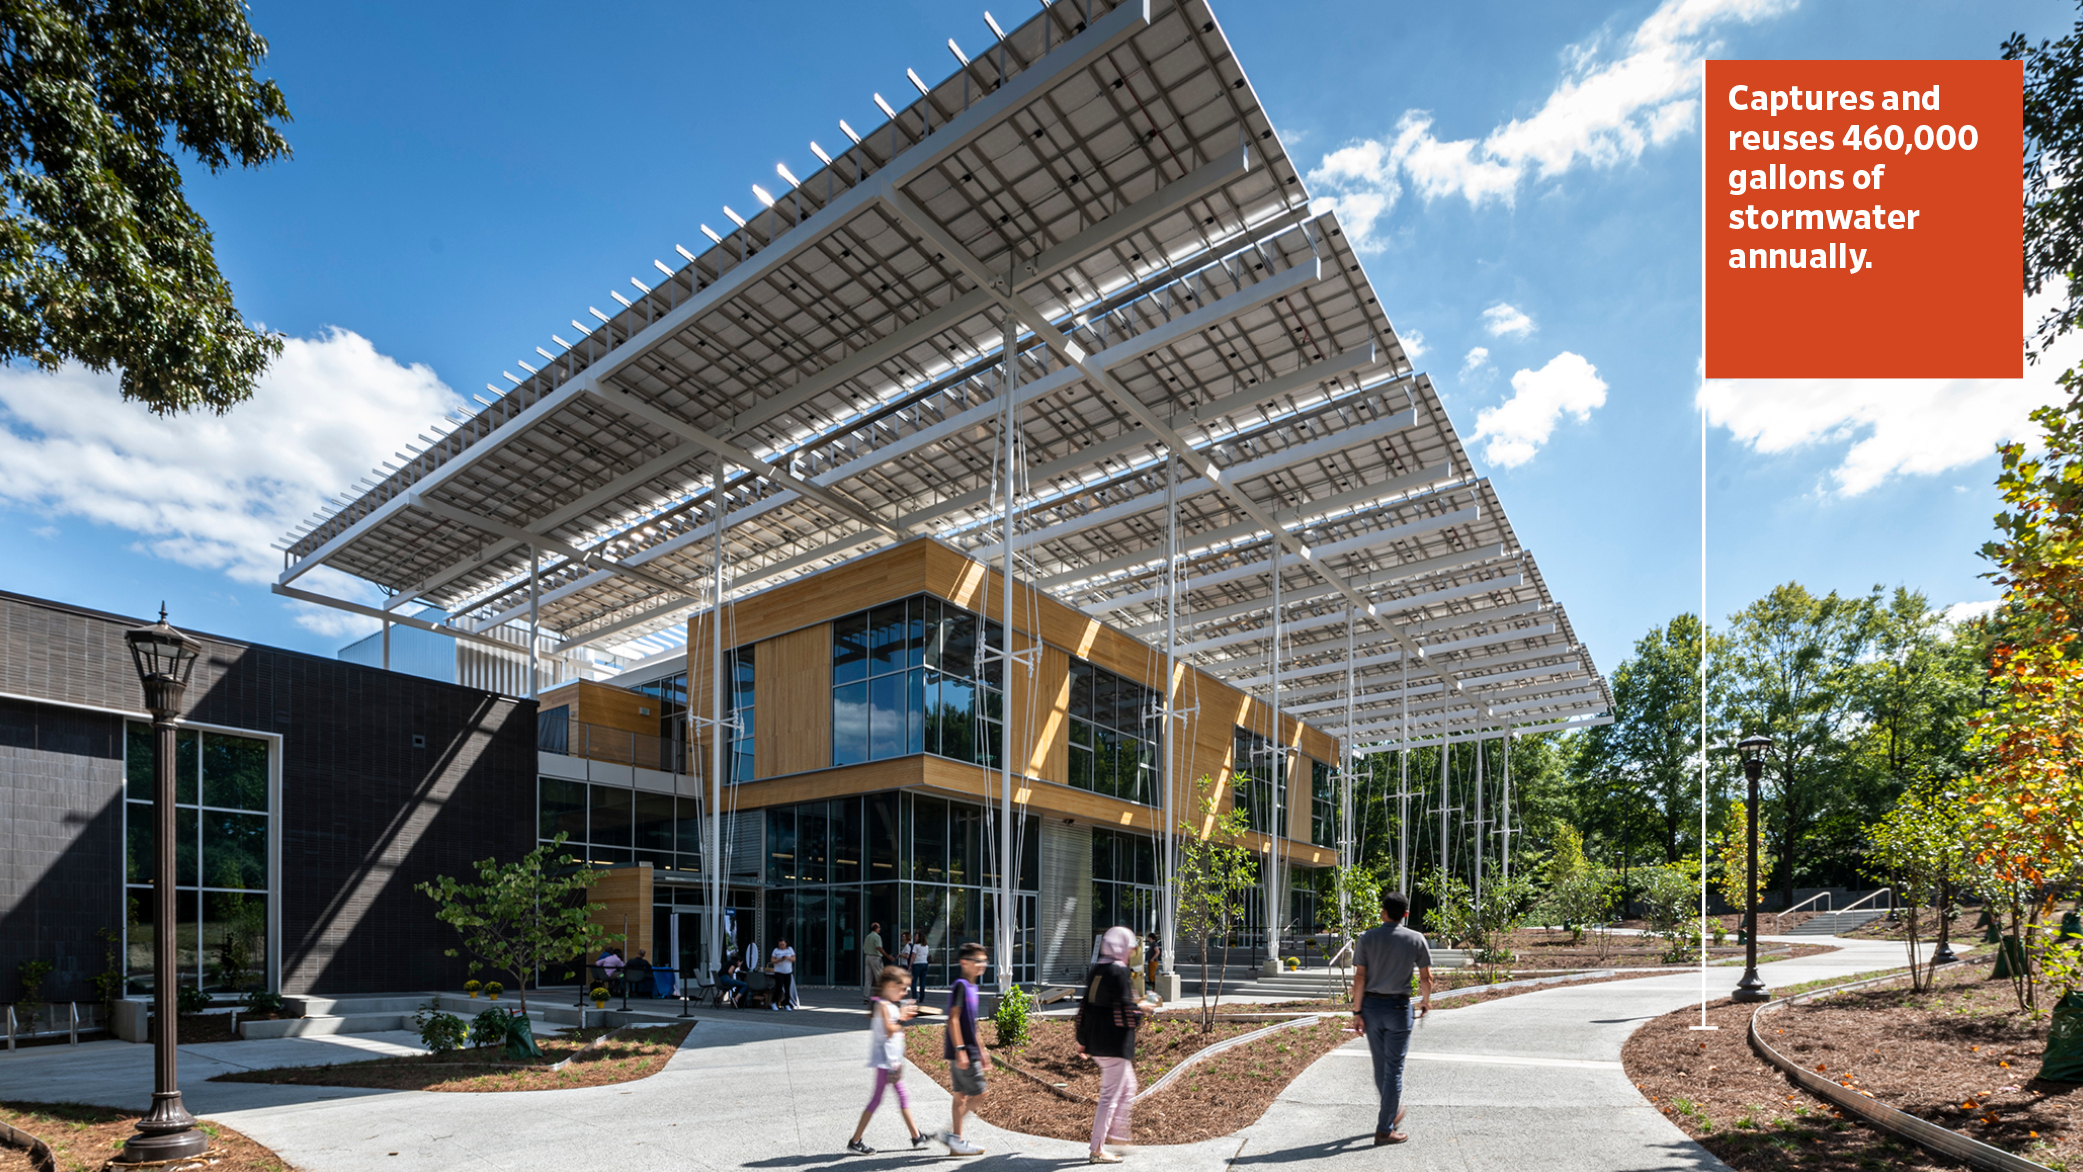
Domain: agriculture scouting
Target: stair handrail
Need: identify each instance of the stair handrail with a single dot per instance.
(1870, 897)
(1822, 895)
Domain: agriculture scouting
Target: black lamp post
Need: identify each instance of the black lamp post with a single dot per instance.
(1752, 987)
(164, 658)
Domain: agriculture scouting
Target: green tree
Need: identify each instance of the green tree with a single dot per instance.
(102, 260)
(2053, 204)
(1918, 850)
(521, 916)
(1649, 756)
(1216, 873)
(1797, 661)
(1732, 854)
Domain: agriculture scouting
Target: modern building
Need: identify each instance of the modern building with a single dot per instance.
(312, 795)
(1067, 318)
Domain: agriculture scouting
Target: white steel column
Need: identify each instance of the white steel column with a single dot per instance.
(1168, 937)
(1479, 823)
(1345, 793)
(1007, 904)
(1403, 792)
(1504, 807)
(712, 865)
(534, 624)
(1277, 784)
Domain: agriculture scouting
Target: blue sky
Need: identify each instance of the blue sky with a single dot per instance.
(470, 177)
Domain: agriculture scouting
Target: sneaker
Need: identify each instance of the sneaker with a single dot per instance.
(944, 1139)
(1102, 1156)
(858, 1148)
(957, 1146)
(920, 1140)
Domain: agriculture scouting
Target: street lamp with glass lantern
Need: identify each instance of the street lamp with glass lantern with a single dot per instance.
(1752, 987)
(165, 658)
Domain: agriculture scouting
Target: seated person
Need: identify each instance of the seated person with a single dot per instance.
(638, 973)
(609, 968)
(730, 982)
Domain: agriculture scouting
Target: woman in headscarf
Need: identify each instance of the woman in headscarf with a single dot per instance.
(1107, 1024)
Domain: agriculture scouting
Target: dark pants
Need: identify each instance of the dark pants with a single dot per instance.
(1388, 1023)
(781, 983)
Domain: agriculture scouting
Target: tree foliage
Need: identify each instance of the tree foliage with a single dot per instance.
(520, 916)
(1216, 874)
(2053, 204)
(1652, 747)
(102, 260)
(1917, 850)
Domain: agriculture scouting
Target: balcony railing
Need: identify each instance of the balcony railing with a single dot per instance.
(595, 742)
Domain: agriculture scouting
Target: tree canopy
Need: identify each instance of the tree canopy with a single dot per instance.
(102, 260)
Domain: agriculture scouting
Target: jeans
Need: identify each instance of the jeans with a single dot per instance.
(730, 985)
(1117, 1095)
(1388, 1021)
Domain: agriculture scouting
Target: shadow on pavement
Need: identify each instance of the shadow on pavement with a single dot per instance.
(1316, 1151)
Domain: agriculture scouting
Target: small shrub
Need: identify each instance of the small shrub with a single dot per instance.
(489, 1028)
(438, 1031)
(32, 974)
(189, 999)
(1015, 1011)
(494, 988)
(598, 992)
(472, 986)
(262, 1001)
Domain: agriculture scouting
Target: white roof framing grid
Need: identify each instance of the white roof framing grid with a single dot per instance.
(841, 352)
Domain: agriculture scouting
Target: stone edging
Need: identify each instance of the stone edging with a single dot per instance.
(40, 1156)
(1900, 1123)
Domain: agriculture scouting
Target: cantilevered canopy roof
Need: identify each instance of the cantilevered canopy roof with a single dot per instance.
(1103, 181)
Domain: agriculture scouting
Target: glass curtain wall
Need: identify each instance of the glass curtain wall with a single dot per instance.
(1261, 779)
(614, 825)
(909, 862)
(740, 679)
(1115, 734)
(1124, 882)
(1323, 805)
(222, 882)
(919, 675)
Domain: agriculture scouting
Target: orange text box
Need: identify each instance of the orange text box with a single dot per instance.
(1863, 219)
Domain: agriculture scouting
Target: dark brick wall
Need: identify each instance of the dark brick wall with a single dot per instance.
(61, 843)
(364, 815)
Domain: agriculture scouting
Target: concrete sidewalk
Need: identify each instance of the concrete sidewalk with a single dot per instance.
(1531, 1081)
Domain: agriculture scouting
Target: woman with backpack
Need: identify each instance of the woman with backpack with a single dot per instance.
(1107, 1022)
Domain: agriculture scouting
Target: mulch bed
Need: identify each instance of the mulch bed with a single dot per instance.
(1960, 1055)
(83, 1138)
(196, 1028)
(1218, 1096)
(628, 1055)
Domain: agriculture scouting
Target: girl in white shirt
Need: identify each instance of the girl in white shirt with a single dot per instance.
(886, 1056)
(784, 960)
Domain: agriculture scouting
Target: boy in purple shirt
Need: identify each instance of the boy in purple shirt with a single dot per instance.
(964, 1049)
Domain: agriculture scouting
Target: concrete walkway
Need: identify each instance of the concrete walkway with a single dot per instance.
(1529, 1081)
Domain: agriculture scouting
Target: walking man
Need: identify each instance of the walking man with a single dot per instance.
(1382, 968)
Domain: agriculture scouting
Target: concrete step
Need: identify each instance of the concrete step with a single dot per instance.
(1836, 923)
(404, 1003)
(380, 1014)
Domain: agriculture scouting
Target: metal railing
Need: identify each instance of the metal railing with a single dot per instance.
(1822, 895)
(1870, 897)
(596, 742)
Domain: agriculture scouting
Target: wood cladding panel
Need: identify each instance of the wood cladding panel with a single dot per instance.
(793, 728)
(625, 893)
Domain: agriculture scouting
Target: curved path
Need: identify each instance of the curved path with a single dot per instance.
(1527, 1081)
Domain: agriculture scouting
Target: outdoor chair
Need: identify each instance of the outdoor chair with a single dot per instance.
(759, 991)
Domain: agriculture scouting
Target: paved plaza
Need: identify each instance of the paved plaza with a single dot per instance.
(1526, 1081)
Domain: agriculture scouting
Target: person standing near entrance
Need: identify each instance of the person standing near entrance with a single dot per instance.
(1383, 963)
(920, 955)
(784, 974)
(1106, 1031)
(874, 958)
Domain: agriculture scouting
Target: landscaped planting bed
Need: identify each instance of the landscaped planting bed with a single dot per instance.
(1961, 1055)
(1537, 950)
(1217, 1096)
(82, 1139)
(626, 1055)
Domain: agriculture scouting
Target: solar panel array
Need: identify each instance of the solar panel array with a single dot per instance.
(1103, 181)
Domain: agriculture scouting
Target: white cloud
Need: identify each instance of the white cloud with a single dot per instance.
(1516, 428)
(1413, 344)
(213, 491)
(1960, 612)
(1612, 103)
(1890, 427)
(1476, 360)
(1507, 321)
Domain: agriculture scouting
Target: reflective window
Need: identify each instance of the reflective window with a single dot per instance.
(1260, 779)
(222, 873)
(1323, 805)
(1116, 734)
(914, 676)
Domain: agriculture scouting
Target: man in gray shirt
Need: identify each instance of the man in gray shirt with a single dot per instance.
(1382, 965)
